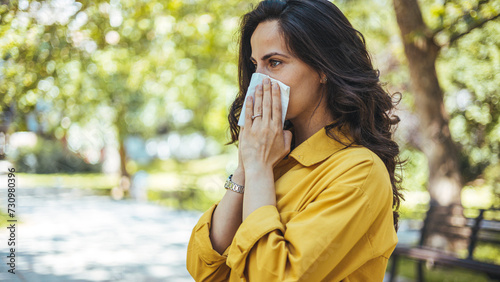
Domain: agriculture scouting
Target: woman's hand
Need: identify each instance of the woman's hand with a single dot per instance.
(263, 142)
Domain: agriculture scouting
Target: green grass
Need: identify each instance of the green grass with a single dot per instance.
(407, 268)
(83, 181)
(188, 199)
(487, 252)
(3, 219)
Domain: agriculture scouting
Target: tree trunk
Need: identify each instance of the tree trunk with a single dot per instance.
(445, 182)
(6, 117)
(123, 159)
(125, 180)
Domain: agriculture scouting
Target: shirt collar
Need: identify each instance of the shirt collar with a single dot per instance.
(318, 147)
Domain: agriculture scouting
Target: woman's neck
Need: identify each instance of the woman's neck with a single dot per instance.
(303, 129)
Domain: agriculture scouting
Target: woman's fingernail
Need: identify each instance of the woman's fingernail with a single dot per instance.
(266, 80)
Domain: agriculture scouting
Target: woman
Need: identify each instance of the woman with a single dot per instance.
(313, 201)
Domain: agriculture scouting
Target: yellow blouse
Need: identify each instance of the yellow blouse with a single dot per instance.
(333, 221)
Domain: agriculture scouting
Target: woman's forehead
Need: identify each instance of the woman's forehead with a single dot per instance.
(267, 38)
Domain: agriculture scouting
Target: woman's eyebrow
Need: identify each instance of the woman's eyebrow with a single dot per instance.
(267, 56)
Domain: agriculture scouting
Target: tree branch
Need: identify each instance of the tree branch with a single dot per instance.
(465, 16)
(457, 36)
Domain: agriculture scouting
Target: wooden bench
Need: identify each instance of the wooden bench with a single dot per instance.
(465, 232)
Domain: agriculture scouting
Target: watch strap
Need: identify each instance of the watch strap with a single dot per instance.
(233, 186)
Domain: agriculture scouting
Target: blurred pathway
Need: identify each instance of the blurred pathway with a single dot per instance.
(71, 235)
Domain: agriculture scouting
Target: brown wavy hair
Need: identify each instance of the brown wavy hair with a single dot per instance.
(319, 34)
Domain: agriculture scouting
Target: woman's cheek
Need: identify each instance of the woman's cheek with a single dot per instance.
(290, 108)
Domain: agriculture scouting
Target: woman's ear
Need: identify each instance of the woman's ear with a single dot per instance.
(323, 78)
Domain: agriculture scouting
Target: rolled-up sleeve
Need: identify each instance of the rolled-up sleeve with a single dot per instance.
(257, 225)
(203, 262)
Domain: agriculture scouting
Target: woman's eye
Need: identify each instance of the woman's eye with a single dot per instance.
(274, 63)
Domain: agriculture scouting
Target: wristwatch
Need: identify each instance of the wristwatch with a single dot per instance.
(233, 186)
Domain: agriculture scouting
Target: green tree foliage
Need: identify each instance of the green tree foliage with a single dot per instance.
(469, 70)
(150, 66)
(50, 156)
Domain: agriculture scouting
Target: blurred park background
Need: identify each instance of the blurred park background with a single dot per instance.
(127, 100)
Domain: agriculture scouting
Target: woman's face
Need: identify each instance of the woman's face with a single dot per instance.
(271, 57)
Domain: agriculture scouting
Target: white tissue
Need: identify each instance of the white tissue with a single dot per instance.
(285, 96)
